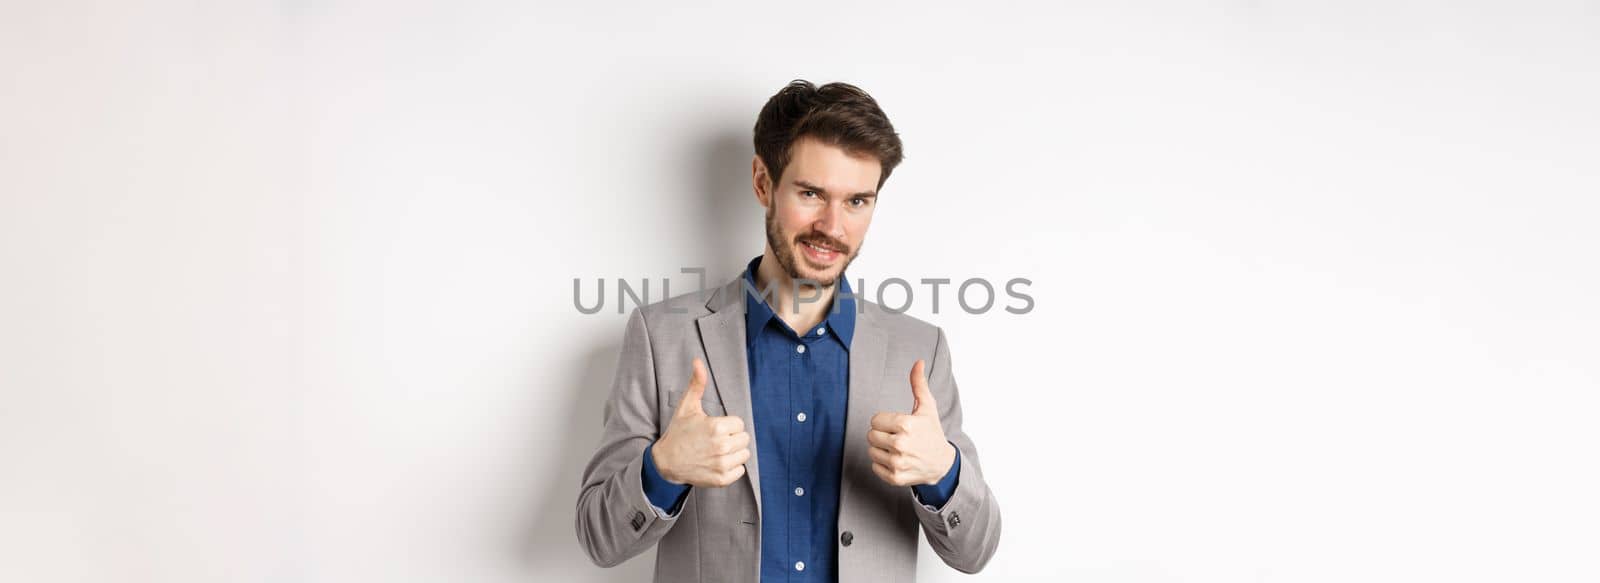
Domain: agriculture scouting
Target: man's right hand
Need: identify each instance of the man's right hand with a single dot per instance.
(698, 449)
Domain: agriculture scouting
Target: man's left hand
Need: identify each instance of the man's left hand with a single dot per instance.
(908, 450)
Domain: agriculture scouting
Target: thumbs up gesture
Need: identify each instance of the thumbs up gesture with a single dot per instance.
(699, 449)
(908, 450)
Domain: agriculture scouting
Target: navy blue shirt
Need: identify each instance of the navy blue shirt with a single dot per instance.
(799, 390)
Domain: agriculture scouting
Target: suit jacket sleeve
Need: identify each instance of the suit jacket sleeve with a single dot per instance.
(965, 531)
(615, 521)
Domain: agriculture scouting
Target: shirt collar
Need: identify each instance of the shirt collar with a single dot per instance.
(841, 316)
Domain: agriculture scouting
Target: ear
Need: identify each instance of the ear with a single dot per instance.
(760, 181)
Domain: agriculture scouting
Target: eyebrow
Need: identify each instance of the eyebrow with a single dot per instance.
(810, 186)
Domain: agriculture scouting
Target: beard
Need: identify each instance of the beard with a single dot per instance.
(783, 247)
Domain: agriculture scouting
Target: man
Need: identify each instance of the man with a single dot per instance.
(852, 409)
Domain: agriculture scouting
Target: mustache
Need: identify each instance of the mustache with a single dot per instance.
(823, 241)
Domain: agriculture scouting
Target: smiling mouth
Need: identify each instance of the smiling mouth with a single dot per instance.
(823, 248)
(820, 253)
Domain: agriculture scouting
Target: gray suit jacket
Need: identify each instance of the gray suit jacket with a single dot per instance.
(715, 536)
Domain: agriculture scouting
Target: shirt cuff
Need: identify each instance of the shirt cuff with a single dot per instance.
(660, 492)
(934, 496)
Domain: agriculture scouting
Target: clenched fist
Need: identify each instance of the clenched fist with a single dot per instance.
(909, 450)
(698, 449)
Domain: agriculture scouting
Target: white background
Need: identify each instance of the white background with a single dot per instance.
(285, 288)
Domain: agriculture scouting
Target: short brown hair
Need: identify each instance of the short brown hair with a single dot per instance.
(838, 114)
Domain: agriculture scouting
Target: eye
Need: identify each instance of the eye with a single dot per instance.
(808, 193)
(858, 202)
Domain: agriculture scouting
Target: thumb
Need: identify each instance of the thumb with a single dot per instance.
(925, 405)
(690, 405)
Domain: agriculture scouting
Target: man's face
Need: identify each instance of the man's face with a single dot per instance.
(819, 210)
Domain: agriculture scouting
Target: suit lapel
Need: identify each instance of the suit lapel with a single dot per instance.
(722, 334)
(868, 355)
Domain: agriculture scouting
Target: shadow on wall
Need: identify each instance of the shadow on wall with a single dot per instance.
(726, 225)
(552, 539)
(729, 225)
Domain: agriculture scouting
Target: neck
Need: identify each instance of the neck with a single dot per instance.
(801, 308)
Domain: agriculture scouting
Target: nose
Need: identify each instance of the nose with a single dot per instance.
(831, 222)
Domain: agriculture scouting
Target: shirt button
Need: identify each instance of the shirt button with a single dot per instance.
(799, 565)
(821, 330)
(799, 491)
(800, 417)
(800, 348)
